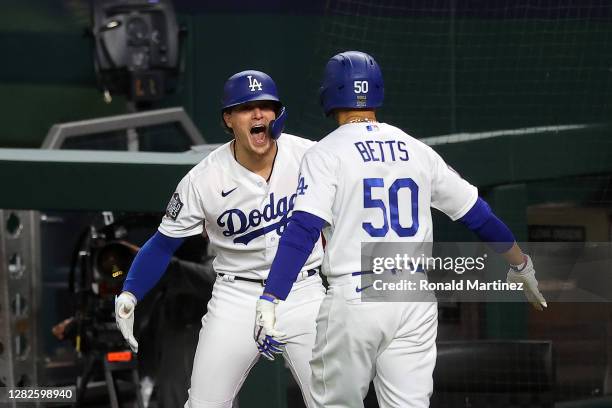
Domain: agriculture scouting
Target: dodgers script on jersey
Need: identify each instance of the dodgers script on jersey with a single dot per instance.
(374, 183)
(243, 215)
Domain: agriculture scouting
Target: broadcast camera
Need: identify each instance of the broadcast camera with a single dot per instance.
(137, 47)
(100, 264)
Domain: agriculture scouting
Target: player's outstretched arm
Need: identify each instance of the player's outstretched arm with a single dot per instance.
(294, 248)
(146, 270)
(481, 220)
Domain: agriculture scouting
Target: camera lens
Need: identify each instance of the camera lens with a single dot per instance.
(137, 30)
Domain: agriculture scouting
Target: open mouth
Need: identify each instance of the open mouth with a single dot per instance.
(258, 134)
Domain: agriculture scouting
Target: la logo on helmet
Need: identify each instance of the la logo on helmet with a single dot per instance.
(254, 83)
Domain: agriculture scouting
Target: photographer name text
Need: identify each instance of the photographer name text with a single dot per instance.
(453, 285)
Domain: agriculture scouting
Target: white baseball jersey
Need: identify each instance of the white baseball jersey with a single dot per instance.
(243, 215)
(374, 183)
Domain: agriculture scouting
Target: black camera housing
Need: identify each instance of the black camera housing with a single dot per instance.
(137, 47)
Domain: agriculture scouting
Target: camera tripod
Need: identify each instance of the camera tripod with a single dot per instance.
(112, 363)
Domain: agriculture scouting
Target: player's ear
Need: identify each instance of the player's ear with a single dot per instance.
(226, 117)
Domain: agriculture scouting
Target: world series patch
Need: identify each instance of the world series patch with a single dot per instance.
(174, 207)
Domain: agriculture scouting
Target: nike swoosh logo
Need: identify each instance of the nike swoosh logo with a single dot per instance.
(224, 194)
(358, 289)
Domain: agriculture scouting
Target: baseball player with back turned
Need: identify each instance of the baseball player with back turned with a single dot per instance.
(371, 182)
(242, 194)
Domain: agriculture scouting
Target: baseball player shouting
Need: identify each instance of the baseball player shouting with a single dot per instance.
(371, 182)
(242, 194)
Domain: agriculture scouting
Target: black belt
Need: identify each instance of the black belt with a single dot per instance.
(262, 282)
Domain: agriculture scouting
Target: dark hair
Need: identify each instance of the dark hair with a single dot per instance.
(226, 128)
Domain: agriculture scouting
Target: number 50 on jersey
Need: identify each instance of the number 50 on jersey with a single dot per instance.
(391, 215)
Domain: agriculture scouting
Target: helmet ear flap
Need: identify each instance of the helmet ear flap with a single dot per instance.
(277, 125)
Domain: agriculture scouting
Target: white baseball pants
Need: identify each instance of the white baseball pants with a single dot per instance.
(391, 343)
(226, 351)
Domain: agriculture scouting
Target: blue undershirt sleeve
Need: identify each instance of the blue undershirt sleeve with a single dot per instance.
(150, 264)
(294, 248)
(490, 229)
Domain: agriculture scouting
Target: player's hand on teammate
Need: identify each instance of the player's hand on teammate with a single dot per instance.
(525, 274)
(125, 304)
(269, 340)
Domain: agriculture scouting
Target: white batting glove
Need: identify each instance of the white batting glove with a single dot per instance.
(525, 274)
(125, 304)
(269, 340)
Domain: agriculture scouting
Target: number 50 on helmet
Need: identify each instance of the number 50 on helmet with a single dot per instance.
(351, 80)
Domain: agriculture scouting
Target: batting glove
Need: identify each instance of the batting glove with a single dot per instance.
(269, 340)
(525, 274)
(125, 304)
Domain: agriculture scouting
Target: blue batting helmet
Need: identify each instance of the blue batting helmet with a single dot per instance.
(248, 86)
(352, 80)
